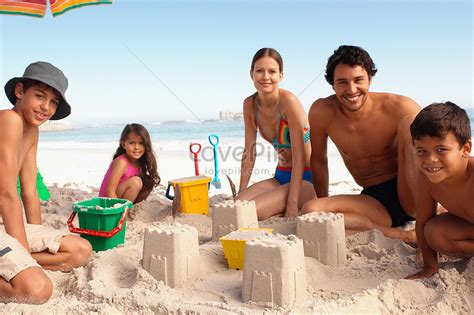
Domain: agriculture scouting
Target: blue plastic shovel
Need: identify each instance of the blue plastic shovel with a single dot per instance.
(214, 141)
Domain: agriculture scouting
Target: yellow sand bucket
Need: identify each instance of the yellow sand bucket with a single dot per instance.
(193, 196)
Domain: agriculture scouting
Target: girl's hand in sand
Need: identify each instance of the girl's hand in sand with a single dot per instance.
(425, 273)
(291, 211)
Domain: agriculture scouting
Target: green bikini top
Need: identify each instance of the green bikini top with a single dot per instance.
(282, 137)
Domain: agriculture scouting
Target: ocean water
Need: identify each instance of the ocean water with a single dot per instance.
(181, 132)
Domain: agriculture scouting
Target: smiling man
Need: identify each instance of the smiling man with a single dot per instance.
(25, 249)
(371, 132)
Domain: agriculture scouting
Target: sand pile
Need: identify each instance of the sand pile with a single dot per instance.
(371, 281)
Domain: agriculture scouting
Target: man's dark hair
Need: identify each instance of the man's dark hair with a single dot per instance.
(437, 119)
(352, 56)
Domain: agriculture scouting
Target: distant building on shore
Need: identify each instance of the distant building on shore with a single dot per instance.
(231, 115)
(56, 125)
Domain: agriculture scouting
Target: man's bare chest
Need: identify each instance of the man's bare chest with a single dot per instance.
(364, 139)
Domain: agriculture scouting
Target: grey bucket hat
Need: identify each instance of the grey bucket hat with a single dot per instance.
(48, 74)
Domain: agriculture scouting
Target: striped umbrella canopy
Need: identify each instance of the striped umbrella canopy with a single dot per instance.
(37, 8)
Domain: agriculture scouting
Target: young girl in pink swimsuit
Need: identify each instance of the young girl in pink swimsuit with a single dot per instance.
(133, 172)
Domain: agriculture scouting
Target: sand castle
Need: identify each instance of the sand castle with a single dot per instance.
(171, 253)
(229, 216)
(274, 270)
(323, 237)
(233, 244)
(280, 225)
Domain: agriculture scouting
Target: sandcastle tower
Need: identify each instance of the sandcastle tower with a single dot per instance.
(231, 215)
(323, 237)
(274, 270)
(171, 253)
(233, 244)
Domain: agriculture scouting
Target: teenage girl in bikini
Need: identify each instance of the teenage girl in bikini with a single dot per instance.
(282, 121)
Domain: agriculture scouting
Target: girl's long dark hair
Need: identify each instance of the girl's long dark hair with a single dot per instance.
(148, 165)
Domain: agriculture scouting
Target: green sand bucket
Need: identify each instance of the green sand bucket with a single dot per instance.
(101, 221)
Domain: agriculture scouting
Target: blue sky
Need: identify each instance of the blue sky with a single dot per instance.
(150, 60)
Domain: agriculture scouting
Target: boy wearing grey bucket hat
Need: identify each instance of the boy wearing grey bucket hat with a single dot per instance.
(27, 248)
(48, 75)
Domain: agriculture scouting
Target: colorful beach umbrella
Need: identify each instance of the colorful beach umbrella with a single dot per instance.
(37, 8)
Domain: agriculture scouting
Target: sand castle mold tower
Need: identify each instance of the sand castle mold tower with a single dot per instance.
(229, 216)
(171, 253)
(323, 237)
(233, 244)
(274, 271)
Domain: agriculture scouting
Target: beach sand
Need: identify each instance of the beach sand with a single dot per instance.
(115, 282)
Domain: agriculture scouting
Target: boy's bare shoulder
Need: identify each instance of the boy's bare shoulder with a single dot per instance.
(453, 190)
(11, 130)
(10, 120)
(9, 114)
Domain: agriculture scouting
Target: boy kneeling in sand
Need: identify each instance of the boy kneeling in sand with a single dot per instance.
(442, 137)
(25, 248)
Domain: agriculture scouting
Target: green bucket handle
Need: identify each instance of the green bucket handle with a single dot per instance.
(105, 234)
